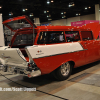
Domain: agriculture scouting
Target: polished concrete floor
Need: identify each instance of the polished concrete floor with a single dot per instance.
(83, 84)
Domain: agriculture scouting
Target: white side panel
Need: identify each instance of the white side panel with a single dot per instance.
(12, 56)
(1, 32)
(49, 50)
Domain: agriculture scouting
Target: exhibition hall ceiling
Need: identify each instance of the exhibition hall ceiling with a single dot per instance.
(47, 10)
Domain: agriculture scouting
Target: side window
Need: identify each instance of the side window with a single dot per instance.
(72, 36)
(86, 35)
(51, 37)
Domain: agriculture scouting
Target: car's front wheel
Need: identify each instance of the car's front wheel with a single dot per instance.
(63, 72)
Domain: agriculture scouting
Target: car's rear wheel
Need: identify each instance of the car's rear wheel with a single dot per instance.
(64, 71)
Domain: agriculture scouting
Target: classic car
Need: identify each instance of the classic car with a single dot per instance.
(38, 50)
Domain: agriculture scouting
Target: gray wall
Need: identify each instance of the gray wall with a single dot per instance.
(68, 21)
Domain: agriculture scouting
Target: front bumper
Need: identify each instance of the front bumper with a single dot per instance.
(21, 70)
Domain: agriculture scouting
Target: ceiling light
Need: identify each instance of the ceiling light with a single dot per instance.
(71, 4)
(52, 1)
(10, 13)
(85, 7)
(44, 11)
(48, 2)
(62, 16)
(49, 19)
(89, 7)
(76, 14)
(62, 13)
(31, 14)
(79, 14)
(47, 16)
(0, 7)
(23, 9)
(47, 11)
(26, 9)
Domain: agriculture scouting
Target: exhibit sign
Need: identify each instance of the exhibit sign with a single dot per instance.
(80, 23)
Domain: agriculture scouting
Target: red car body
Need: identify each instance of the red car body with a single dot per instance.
(76, 45)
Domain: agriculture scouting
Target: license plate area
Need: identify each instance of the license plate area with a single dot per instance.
(15, 69)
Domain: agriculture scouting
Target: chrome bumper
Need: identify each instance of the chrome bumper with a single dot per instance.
(20, 70)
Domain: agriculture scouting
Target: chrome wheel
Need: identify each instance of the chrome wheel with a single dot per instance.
(65, 69)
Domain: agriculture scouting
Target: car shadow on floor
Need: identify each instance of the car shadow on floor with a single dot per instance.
(85, 67)
(23, 81)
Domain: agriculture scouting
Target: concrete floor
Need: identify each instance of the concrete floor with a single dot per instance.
(83, 84)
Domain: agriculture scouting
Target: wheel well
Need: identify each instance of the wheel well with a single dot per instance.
(72, 63)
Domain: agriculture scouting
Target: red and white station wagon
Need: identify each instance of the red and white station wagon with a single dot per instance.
(35, 51)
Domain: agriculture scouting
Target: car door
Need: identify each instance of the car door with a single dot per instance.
(88, 43)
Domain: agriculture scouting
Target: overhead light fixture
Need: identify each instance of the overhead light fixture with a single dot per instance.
(0, 7)
(47, 11)
(48, 15)
(31, 14)
(76, 14)
(48, 2)
(44, 11)
(63, 16)
(23, 9)
(89, 7)
(10, 13)
(85, 7)
(62, 13)
(49, 19)
(71, 4)
(52, 1)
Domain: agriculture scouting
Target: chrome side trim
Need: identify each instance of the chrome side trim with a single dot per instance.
(61, 53)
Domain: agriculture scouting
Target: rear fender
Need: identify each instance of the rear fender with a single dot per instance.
(70, 60)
